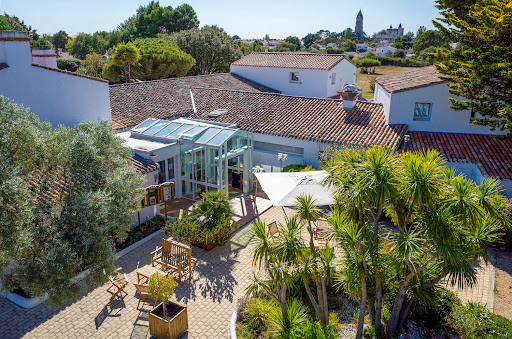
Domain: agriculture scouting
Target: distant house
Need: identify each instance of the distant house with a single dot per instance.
(382, 50)
(335, 45)
(313, 75)
(58, 96)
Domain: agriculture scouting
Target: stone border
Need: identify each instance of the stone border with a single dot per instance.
(232, 323)
(28, 303)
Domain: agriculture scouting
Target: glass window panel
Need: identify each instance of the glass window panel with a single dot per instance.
(200, 189)
(238, 142)
(186, 161)
(155, 127)
(144, 125)
(181, 129)
(422, 111)
(167, 129)
(153, 196)
(207, 135)
(170, 169)
(212, 162)
(199, 163)
(161, 172)
(193, 131)
(220, 137)
(186, 189)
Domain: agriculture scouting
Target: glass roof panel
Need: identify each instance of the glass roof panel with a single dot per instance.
(167, 129)
(194, 130)
(207, 135)
(177, 131)
(145, 124)
(221, 137)
(155, 127)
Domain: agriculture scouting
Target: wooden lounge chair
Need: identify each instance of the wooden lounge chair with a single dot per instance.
(143, 294)
(119, 281)
(174, 256)
(273, 228)
(320, 237)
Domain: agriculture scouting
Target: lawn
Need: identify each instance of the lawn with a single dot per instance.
(363, 80)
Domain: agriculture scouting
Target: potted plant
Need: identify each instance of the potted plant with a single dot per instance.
(208, 225)
(168, 320)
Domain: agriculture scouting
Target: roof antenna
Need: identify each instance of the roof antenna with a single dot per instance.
(193, 102)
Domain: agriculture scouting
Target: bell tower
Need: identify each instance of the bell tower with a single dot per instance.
(359, 24)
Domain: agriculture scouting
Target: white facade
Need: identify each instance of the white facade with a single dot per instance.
(311, 83)
(382, 50)
(53, 95)
(45, 57)
(399, 109)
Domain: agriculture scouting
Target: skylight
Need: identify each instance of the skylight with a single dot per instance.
(167, 129)
(156, 127)
(192, 133)
(217, 113)
(179, 130)
(142, 126)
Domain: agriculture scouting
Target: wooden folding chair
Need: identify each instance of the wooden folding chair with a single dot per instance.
(273, 228)
(119, 281)
(319, 237)
(144, 294)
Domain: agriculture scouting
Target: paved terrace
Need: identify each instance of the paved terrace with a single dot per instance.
(218, 281)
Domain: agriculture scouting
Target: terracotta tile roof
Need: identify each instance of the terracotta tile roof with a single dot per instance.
(167, 98)
(3, 66)
(143, 166)
(68, 72)
(291, 60)
(418, 78)
(314, 119)
(492, 156)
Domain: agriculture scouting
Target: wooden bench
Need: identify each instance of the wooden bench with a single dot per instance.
(174, 256)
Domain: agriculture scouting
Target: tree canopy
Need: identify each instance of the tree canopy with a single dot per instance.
(309, 40)
(211, 47)
(428, 39)
(153, 19)
(64, 193)
(60, 39)
(295, 41)
(480, 70)
(4, 26)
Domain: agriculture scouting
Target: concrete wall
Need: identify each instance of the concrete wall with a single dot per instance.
(311, 83)
(52, 95)
(399, 109)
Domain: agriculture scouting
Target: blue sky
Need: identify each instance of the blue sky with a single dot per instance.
(248, 19)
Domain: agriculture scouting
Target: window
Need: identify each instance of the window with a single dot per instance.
(333, 78)
(170, 169)
(422, 111)
(294, 76)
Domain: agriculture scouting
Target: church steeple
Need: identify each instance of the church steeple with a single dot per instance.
(359, 24)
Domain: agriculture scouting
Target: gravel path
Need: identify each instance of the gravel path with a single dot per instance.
(503, 289)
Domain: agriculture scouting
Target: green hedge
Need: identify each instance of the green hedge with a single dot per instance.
(298, 168)
(69, 64)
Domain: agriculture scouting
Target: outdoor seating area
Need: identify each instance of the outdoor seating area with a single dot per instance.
(173, 256)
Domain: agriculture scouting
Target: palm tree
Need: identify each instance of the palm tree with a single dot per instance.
(313, 263)
(126, 55)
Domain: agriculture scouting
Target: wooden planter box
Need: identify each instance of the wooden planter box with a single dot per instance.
(171, 328)
(204, 246)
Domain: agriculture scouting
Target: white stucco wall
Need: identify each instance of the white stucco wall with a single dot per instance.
(399, 109)
(311, 83)
(345, 74)
(54, 96)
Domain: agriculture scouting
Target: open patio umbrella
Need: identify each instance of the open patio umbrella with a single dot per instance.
(283, 188)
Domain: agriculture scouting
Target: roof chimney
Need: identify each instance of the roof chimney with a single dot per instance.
(15, 49)
(44, 55)
(349, 95)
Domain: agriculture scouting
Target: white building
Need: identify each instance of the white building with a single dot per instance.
(301, 74)
(55, 95)
(382, 50)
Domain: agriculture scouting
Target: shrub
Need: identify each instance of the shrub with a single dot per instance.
(474, 320)
(433, 314)
(506, 230)
(296, 316)
(296, 168)
(256, 314)
(209, 223)
(161, 287)
(69, 64)
(309, 329)
(139, 232)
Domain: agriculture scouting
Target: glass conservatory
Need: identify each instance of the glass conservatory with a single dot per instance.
(211, 156)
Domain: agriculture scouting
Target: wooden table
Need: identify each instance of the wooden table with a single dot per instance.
(146, 272)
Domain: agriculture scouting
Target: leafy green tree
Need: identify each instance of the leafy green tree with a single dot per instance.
(399, 53)
(256, 46)
(295, 41)
(126, 55)
(266, 37)
(309, 40)
(60, 39)
(349, 46)
(420, 31)
(153, 19)
(211, 47)
(428, 39)
(94, 64)
(4, 26)
(236, 37)
(347, 34)
(19, 25)
(69, 64)
(285, 47)
(79, 187)
(481, 70)
(161, 287)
